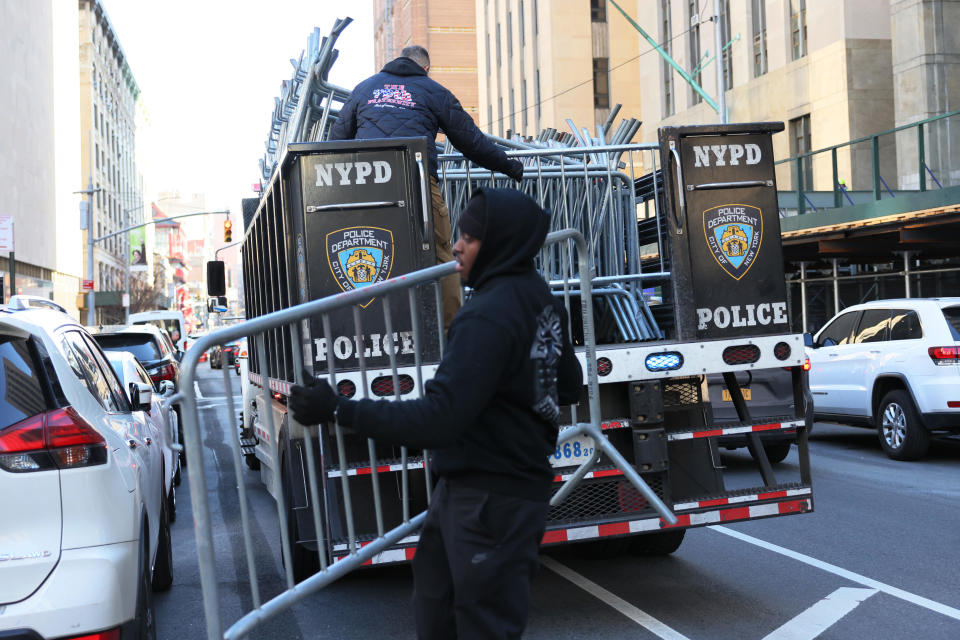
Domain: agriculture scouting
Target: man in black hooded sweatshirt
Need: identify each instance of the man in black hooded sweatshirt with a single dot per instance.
(489, 417)
(402, 101)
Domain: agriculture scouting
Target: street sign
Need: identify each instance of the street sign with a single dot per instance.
(220, 309)
(87, 285)
(6, 233)
(125, 300)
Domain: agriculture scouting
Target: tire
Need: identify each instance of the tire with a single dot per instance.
(183, 450)
(172, 503)
(177, 476)
(777, 451)
(661, 543)
(901, 434)
(163, 566)
(145, 622)
(305, 562)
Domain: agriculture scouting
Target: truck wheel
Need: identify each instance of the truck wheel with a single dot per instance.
(901, 435)
(661, 543)
(777, 451)
(305, 562)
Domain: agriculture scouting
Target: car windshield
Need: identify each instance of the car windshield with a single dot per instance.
(167, 324)
(952, 316)
(141, 345)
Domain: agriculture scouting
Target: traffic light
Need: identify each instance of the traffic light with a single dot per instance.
(227, 231)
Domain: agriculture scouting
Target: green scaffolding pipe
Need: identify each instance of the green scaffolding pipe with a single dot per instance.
(666, 56)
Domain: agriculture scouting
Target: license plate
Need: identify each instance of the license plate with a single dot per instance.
(725, 395)
(573, 452)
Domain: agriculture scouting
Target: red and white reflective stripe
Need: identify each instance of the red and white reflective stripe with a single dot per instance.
(605, 473)
(729, 431)
(615, 424)
(731, 514)
(366, 471)
(280, 386)
(576, 534)
(262, 434)
(755, 497)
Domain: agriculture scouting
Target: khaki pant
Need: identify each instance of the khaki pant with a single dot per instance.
(442, 232)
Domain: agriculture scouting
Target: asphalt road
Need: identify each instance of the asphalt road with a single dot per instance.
(878, 558)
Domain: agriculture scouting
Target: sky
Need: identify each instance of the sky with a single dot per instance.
(208, 72)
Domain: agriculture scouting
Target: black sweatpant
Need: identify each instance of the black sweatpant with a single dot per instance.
(477, 555)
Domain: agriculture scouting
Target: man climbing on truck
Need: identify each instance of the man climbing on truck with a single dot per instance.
(402, 101)
(489, 416)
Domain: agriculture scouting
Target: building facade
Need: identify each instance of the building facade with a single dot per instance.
(542, 62)
(108, 95)
(39, 135)
(445, 28)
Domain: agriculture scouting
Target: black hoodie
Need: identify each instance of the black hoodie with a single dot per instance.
(402, 101)
(489, 415)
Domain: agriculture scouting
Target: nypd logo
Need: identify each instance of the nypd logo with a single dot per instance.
(360, 256)
(734, 233)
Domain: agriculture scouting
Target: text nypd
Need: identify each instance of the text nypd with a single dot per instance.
(374, 345)
(347, 173)
(721, 155)
(748, 315)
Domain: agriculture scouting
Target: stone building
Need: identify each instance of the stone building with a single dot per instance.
(40, 143)
(108, 95)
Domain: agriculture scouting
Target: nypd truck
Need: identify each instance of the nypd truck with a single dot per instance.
(689, 309)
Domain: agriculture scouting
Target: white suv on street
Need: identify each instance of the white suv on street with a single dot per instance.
(893, 365)
(84, 528)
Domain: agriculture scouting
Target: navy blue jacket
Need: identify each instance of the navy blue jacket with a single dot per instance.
(402, 101)
(490, 413)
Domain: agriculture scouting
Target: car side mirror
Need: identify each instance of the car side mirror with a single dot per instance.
(141, 395)
(166, 388)
(808, 340)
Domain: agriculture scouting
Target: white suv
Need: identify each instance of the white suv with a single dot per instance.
(893, 365)
(84, 528)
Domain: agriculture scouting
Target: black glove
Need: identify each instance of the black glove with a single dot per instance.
(313, 402)
(514, 169)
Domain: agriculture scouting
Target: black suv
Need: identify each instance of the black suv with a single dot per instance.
(153, 348)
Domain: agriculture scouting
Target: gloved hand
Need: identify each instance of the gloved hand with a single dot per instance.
(313, 402)
(515, 169)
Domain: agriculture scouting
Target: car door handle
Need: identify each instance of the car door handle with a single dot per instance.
(875, 351)
(833, 355)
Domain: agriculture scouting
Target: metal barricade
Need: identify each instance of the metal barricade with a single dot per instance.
(591, 189)
(359, 552)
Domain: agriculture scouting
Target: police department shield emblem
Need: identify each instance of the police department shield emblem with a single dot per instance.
(360, 256)
(734, 233)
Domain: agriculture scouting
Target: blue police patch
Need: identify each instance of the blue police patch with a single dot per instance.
(734, 233)
(360, 256)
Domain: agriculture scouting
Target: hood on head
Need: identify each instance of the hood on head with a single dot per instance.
(404, 67)
(516, 227)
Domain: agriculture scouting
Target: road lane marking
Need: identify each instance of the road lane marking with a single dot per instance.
(844, 573)
(642, 618)
(821, 616)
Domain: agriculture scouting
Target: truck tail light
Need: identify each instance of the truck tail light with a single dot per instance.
(110, 634)
(60, 438)
(348, 389)
(741, 354)
(665, 361)
(383, 385)
(806, 364)
(945, 355)
(166, 372)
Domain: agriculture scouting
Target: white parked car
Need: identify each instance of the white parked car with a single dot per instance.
(893, 365)
(84, 532)
(160, 415)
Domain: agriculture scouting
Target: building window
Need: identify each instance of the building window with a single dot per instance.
(800, 143)
(498, 45)
(536, 88)
(513, 113)
(536, 19)
(693, 13)
(601, 84)
(520, 16)
(759, 19)
(665, 69)
(500, 115)
(509, 33)
(490, 118)
(598, 10)
(798, 28)
(523, 103)
(728, 49)
(488, 54)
